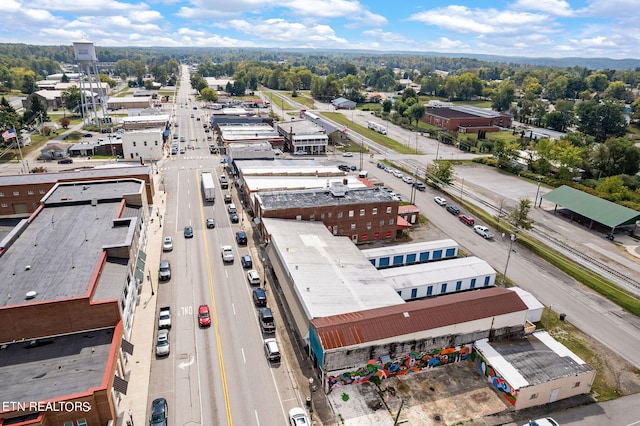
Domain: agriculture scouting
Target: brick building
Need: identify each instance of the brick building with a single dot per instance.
(466, 119)
(20, 195)
(72, 275)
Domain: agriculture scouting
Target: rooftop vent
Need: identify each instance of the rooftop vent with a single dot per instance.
(405, 314)
(27, 268)
(30, 295)
(338, 190)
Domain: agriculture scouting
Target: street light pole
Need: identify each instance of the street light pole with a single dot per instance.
(438, 148)
(361, 148)
(504, 276)
(537, 192)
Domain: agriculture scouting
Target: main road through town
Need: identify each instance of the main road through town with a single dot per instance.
(216, 375)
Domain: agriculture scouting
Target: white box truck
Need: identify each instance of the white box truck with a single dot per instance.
(208, 187)
(377, 127)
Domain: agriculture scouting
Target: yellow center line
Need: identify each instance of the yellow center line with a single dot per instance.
(214, 312)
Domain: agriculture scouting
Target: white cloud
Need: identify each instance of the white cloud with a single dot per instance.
(551, 7)
(464, 20)
(289, 33)
(386, 36)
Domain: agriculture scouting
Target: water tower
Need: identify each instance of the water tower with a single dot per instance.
(85, 54)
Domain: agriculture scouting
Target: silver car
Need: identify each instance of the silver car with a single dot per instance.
(162, 344)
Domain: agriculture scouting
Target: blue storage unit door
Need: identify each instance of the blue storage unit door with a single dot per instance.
(411, 258)
(443, 288)
(450, 252)
(424, 256)
(429, 290)
(473, 283)
(437, 254)
(414, 293)
(487, 279)
(398, 260)
(384, 261)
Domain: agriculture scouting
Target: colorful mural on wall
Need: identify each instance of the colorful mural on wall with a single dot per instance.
(412, 362)
(498, 382)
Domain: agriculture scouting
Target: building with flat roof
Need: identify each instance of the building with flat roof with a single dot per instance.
(78, 259)
(362, 214)
(466, 119)
(129, 102)
(410, 253)
(230, 133)
(320, 275)
(532, 371)
(137, 122)
(143, 144)
(303, 137)
(20, 195)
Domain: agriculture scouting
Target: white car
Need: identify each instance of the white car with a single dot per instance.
(227, 254)
(484, 232)
(441, 201)
(253, 277)
(347, 154)
(398, 174)
(298, 417)
(395, 197)
(162, 344)
(408, 179)
(547, 421)
(167, 244)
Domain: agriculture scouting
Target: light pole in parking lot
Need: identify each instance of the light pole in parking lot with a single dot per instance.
(537, 192)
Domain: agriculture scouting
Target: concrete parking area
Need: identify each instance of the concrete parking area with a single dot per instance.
(445, 395)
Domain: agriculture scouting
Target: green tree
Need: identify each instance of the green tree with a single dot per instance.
(209, 95)
(504, 96)
(601, 120)
(519, 217)
(29, 84)
(617, 90)
(597, 82)
(614, 187)
(36, 111)
(387, 105)
(556, 89)
(441, 171)
(415, 112)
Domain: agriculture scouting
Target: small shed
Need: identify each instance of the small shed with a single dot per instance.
(343, 103)
(410, 213)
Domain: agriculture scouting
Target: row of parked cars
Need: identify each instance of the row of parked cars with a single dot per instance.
(406, 179)
(481, 230)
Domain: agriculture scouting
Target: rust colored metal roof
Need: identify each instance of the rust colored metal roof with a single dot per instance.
(375, 324)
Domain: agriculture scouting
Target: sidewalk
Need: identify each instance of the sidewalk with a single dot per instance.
(134, 407)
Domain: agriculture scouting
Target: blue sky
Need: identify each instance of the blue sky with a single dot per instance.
(531, 28)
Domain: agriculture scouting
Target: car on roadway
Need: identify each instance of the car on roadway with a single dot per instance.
(420, 186)
(204, 316)
(234, 217)
(253, 277)
(298, 417)
(484, 232)
(159, 412)
(408, 179)
(259, 297)
(182, 151)
(467, 220)
(211, 223)
(241, 238)
(440, 201)
(66, 160)
(344, 167)
(164, 272)
(353, 168)
(454, 210)
(188, 232)
(227, 254)
(246, 261)
(162, 343)
(271, 350)
(228, 198)
(183, 139)
(88, 135)
(167, 244)
(347, 154)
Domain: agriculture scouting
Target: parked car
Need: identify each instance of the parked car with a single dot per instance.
(231, 208)
(211, 223)
(298, 417)
(66, 160)
(546, 421)
(228, 198)
(353, 168)
(271, 350)
(467, 220)
(259, 297)
(159, 412)
(484, 232)
(88, 135)
(188, 232)
(164, 272)
(408, 179)
(253, 277)
(347, 154)
(380, 165)
(241, 238)
(204, 316)
(344, 167)
(167, 244)
(234, 218)
(454, 210)
(246, 261)
(419, 186)
(227, 254)
(441, 201)
(162, 343)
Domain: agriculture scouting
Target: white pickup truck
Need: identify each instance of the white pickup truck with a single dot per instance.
(484, 232)
(164, 318)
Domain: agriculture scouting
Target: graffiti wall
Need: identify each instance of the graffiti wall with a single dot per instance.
(412, 362)
(508, 393)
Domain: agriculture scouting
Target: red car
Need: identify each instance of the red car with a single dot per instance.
(204, 316)
(467, 219)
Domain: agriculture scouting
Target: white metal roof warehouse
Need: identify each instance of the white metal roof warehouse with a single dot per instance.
(446, 276)
(323, 275)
